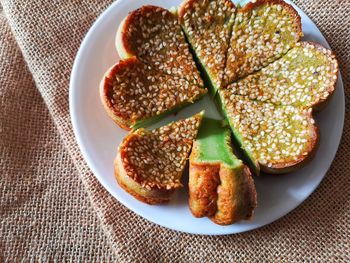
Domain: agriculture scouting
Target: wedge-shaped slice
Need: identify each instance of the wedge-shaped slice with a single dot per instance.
(136, 96)
(263, 32)
(220, 185)
(154, 36)
(207, 25)
(278, 139)
(149, 164)
(305, 76)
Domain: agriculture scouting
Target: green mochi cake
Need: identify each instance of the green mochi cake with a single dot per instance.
(265, 82)
(220, 185)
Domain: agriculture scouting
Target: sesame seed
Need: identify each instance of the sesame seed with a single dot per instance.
(210, 42)
(149, 156)
(156, 93)
(291, 79)
(259, 37)
(151, 35)
(283, 131)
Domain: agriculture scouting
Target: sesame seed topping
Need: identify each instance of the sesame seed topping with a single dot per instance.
(208, 25)
(273, 134)
(156, 158)
(135, 92)
(304, 76)
(154, 35)
(268, 83)
(259, 37)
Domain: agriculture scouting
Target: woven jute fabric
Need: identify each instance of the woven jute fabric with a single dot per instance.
(44, 209)
(49, 200)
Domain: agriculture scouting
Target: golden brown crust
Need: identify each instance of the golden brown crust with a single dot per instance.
(149, 196)
(132, 93)
(315, 138)
(183, 8)
(129, 20)
(209, 36)
(123, 37)
(203, 182)
(223, 194)
(250, 193)
(149, 164)
(237, 196)
(188, 4)
(105, 87)
(147, 200)
(309, 89)
(280, 138)
(154, 36)
(239, 63)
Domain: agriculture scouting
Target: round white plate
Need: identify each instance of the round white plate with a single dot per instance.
(98, 137)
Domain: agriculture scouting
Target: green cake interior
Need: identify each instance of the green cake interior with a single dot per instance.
(144, 123)
(214, 143)
(207, 26)
(237, 139)
(269, 135)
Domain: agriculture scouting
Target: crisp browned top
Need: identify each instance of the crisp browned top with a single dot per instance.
(264, 40)
(154, 35)
(263, 32)
(305, 76)
(276, 136)
(133, 91)
(207, 25)
(156, 159)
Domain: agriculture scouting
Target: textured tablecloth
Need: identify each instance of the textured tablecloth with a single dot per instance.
(53, 209)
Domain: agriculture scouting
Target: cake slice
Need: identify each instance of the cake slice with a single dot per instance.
(263, 31)
(149, 164)
(305, 76)
(207, 25)
(220, 185)
(135, 95)
(153, 34)
(277, 139)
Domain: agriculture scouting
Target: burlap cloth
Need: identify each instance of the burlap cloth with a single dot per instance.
(53, 209)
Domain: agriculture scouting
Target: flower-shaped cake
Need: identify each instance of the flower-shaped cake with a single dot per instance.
(264, 79)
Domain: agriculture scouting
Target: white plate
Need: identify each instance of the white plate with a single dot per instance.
(98, 137)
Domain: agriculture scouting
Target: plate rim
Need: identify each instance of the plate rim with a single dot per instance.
(74, 120)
